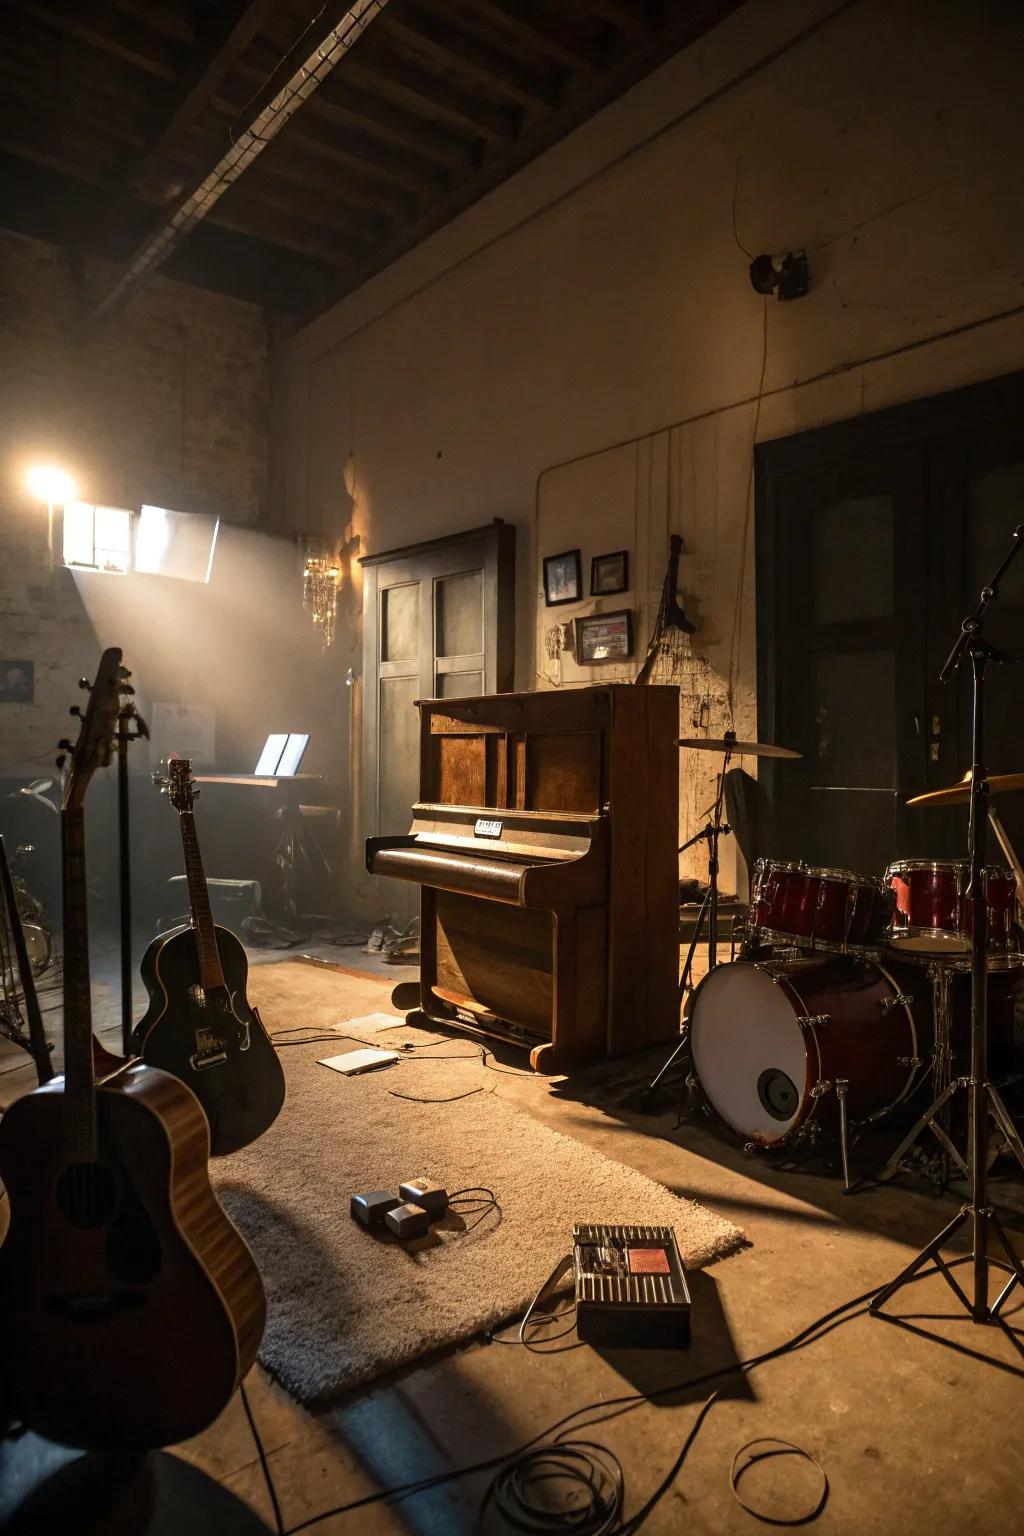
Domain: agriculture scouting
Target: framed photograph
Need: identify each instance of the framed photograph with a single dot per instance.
(563, 578)
(609, 573)
(17, 682)
(604, 637)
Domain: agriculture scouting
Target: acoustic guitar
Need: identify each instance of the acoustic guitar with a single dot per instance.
(199, 1023)
(131, 1306)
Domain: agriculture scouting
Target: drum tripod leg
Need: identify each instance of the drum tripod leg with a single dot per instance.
(891, 1168)
(842, 1083)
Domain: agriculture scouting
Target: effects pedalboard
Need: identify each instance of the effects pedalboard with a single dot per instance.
(631, 1290)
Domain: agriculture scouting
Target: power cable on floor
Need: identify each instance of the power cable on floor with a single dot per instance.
(599, 1412)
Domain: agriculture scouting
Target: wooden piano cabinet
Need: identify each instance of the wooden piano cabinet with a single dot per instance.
(544, 842)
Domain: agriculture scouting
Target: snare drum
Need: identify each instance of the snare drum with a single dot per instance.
(830, 909)
(933, 916)
(770, 1039)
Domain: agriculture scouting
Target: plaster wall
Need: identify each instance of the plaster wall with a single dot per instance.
(581, 352)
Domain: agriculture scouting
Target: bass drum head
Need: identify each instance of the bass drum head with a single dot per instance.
(749, 1051)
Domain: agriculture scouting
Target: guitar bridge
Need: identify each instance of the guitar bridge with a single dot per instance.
(209, 1052)
(200, 1060)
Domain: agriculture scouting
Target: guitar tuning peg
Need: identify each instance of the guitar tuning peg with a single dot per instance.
(60, 761)
(64, 744)
(76, 709)
(83, 682)
(127, 688)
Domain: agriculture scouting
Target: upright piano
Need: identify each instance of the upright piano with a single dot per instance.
(544, 842)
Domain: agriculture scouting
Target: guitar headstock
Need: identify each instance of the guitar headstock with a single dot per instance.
(178, 784)
(95, 744)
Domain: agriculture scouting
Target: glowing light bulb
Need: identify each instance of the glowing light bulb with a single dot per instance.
(51, 484)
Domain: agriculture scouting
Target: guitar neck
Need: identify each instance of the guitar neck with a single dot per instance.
(210, 968)
(79, 1083)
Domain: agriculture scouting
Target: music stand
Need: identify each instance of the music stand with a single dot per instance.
(983, 1099)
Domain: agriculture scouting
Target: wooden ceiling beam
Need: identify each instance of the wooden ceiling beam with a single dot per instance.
(235, 24)
(164, 16)
(314, 162)
(248, 216)
(48, 205)
(94, 22)
(623, 20)
(541, 35)
(393, 78)
(455, 52)
(360, 109)
(359, 154)
(331, 189)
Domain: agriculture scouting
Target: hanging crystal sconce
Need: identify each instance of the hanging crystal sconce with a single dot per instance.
(320, 594)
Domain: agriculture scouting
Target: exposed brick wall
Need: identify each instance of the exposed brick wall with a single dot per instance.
(165, 399)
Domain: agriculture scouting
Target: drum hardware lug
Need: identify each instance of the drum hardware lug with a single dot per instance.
(821, 1087)
(898, 1000)
(908, 1061)
(815, 1020)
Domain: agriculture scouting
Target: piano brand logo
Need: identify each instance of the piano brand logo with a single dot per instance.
(484, 828)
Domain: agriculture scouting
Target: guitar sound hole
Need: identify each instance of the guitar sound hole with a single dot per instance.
(87, 1195)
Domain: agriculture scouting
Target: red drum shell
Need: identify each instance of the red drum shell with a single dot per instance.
(831, 909)
(770, 1039)
(933, 915)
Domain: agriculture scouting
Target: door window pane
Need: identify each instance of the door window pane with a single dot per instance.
(399, 623)
(460, 614)
(853, 560)
(853, 707)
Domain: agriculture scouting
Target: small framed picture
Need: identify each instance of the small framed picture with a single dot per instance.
(563, 578)
(609, 573)
(17, 682)
(604, 637)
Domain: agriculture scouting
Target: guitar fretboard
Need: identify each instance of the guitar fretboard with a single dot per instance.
(199, 900)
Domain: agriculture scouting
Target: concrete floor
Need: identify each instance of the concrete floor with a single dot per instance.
(915, 1432)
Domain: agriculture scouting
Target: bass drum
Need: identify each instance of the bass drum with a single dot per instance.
(771, 1038)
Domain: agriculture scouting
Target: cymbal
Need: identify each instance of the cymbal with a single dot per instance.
(957, 794)
(736, 748)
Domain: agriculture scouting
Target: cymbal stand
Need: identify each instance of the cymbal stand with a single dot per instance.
(983, 1100)
(128, 718)
(711, 834)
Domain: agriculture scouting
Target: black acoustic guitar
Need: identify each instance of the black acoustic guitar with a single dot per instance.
(131, 1307)
(199, 1023)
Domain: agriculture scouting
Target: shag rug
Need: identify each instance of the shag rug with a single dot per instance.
(345, 1305)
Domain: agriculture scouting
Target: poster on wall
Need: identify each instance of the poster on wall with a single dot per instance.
(17, 682)
(182, 730)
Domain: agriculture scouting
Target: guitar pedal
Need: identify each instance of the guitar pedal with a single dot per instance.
(407, 1221)
(429, 1197)
(371, 1209)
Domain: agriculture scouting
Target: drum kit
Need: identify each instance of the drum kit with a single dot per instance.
(846, 995)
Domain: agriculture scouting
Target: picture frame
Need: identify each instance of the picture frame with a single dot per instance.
(17, 682)
(609, 573)
(603, 637)
(563, 578)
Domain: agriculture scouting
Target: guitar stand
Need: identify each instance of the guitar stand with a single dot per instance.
(983, 1101)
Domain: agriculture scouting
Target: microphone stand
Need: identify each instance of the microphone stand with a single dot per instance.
(983, 1100)
(710, 834)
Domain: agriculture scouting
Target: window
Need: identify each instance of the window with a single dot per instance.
(97, 538)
